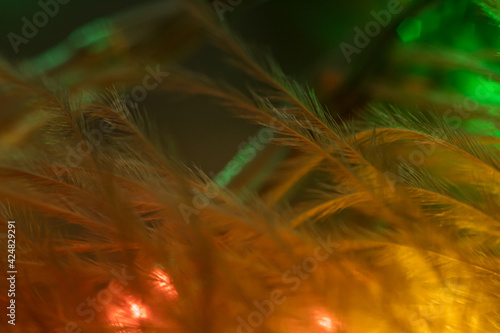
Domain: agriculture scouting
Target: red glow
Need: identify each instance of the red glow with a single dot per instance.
(328, 323)
(162, 280)
(138, 311)
(130, 313)
(325, 322)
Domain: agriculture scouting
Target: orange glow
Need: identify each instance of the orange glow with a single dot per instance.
(130, 313)
(163, 282)
(326, 322)
(138, 311)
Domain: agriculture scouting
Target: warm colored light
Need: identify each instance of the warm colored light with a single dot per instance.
(163, 282)
(129, 313)
(138, 311)
(328, 323)
(325, 322)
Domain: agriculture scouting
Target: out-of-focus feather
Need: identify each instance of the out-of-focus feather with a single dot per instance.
(491, 7)
(398, 218)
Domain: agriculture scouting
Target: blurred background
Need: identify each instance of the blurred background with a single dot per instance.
(431, 55)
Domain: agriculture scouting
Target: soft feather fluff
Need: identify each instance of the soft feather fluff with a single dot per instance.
(382, 226)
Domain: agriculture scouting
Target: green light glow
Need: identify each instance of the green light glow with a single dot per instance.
(93, 35)
(224, 177)
(410, 30)
(430, 22)
(482, 127)
(52, 58)
(476, 87)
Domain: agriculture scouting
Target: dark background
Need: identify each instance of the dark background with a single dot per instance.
(206, 137)
(302, 35)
